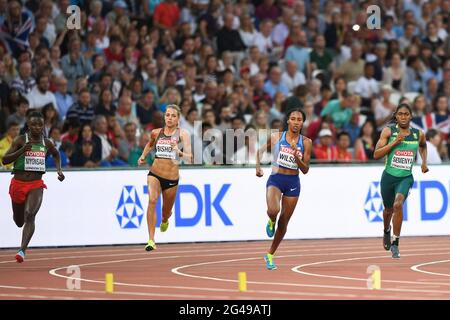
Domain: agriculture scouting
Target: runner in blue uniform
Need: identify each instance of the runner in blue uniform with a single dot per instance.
(291, 153)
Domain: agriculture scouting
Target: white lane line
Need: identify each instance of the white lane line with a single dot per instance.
(233, 251)
(116, 293)
(160, 252)
(54, 272)
(418, 266)
(177, 271)
(214, 246)
(297, 269)
(178, 287)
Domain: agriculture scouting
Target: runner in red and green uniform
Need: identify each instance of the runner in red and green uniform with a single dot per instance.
(28, 153)
(399, 143)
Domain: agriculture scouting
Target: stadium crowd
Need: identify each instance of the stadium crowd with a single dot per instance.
(232, 64)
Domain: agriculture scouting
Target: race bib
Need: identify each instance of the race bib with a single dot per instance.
(402, 159)
(164, 149)
(286, 157)
(34, 161)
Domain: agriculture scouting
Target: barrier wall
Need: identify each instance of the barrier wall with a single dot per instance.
(109, 207)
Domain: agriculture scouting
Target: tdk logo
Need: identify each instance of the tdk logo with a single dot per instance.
(129, 211)
(373, 205)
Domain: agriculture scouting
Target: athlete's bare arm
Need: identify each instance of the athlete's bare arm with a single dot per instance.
(303, 164)
(423, 151)
(149, 146)
(18, 147)
(55, 153)
(383, 148)
(274, 138)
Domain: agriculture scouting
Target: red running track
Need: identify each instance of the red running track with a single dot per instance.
(307, 269)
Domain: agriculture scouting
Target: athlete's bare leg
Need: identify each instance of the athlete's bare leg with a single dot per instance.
(169, 196)
(154, 190)
(273, 198)
(387, 217)
(287, 209)
(32, 205)
(19, 213)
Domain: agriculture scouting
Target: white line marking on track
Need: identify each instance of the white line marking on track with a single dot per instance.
(417, 266)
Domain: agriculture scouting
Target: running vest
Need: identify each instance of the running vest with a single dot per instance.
(284, 155)
(163, 145)
(32, 160)
(400, 160)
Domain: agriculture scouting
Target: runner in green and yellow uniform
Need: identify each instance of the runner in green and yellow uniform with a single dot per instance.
(399, 143)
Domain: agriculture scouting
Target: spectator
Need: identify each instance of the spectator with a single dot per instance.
(66, 151)
(247, 30)
(63, 100)
(366, 86)
(314, 93)
(299, 52)
(72, 130)
(40, 95)
(274, 84)
(434, 140)
(24, 82)
(82, 110)
(340, 88)
(136, 152)
(325, 150)
(16, 28)
(407, 38)
(20, 116)
(353, 68)
(414, 73)
(119, 10)
(229, 39)
(354, 126)
(84, 156)
(342, 145)
(6, 142)
(441, 112)
(129, 143)
(114, 52)
(55, 136)
(383, 107)
(292, 77)
(60, 20)
(167, 15)
(320, 57)
(395, 75)
(340, 110)
(310, 115)
(74, 65)
(281, 30)
(432, 37)
(365, 144)
(109, 154)
(145, 107)
(125, 112)
(263, 39)
(267, 10)
(51, 118)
